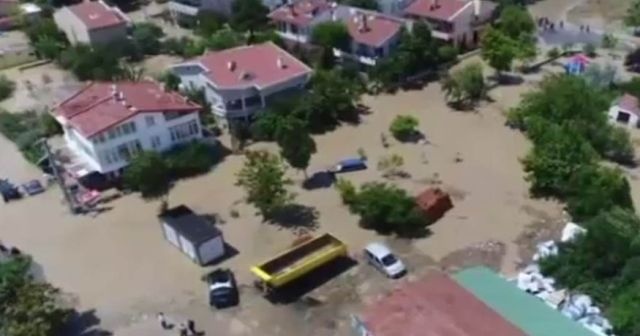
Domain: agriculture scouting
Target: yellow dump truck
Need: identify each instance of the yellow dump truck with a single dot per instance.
(298, 261)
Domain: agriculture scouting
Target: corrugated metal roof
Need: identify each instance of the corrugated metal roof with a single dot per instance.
(523, 310)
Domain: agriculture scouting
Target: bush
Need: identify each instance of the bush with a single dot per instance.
(50, 125)
(7, 87)
(190, 160)
(553, 53)
(447, 53)
(347, 191)
(589, 49)
(403, 127)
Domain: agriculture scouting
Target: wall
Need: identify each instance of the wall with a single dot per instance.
(108, 34)
(73, 27)
(613, 117)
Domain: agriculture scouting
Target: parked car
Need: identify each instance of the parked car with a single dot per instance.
(223, 291)
(33, 187)
(348, 165)
(9, 191)
(381, 257)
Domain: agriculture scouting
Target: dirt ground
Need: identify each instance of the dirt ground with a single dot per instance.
(118, 263)
(605, 14)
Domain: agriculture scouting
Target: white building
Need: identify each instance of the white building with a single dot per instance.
(373, 35)
(92, 22)
(457, 21)
(242, 80)
(106, 123)
(626, 110)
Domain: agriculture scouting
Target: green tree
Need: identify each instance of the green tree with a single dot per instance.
(498, 50)
(170, 80)
(45, 38)
(333, 98)
(632, 19)
(404, 127)
(7, 87)
(516, 22)
(594, 188)
(364, 4)
(208, 23)
(624, 310)
(263, 179)
(465, 85)
(249, 15)
(149, 174)
(28, 307)
(296, 144)
(100, 63)
(388, 209)
(147, 37)
(330, 35)
(223, 39)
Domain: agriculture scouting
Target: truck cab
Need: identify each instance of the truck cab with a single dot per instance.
(222, 289)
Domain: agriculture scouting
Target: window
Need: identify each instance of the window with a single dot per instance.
(170, 115)
(150, 121)
(112, 133)
(155, 142)
(184, 131)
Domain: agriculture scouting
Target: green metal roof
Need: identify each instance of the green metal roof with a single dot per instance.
(525, 311)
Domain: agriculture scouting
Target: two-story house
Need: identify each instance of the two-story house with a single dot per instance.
(459, 22)
(373, 35)
(242, 80)
(189, 9)
(106, 123)
(92, 22)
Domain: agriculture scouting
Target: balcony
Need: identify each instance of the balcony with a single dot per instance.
(189, 8)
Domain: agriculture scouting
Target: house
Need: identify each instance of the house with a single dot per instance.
(626, 110)
(456, 21)
(242, 80)
(434, 203)
(182, 10)
(92, 22)
(471, 302)
(373, 34)
(106, 123)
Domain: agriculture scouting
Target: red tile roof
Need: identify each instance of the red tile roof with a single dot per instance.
(629, 103)
(300, 13)
(260, 65)
(435, 306)
(372, 28)
(100, 105)
(444, 10)
(96, 14)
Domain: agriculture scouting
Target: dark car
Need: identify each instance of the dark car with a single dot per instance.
(33, 187)
(349, 165)
(223, 291)
(9, 191)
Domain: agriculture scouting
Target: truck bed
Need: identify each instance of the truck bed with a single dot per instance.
(299, 260)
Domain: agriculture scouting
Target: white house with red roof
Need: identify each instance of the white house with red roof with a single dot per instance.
(106, 123)
(242, 80)
(373, 34)
(92, 22)
(626, 110)
(457, 21)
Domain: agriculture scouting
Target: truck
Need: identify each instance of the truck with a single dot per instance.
(297, 261)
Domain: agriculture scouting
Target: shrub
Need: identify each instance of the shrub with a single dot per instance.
(50, 125)
(553, 53)
(447, 53)
(7, 87)
(589, 49)
(189, 160)
(403, 127)
(347, 191)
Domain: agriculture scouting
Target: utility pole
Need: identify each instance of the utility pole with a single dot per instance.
(59, 179)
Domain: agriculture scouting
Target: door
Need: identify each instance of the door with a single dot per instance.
(623, 117)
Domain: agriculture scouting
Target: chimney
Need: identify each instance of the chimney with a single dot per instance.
(476, 8)
(114, 90)
(436, 4)
(120, 95)
(364, 24)
(280, 63)
(231, 65)
(292, 9)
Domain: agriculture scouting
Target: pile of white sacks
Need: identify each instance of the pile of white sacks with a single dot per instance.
(578, 307)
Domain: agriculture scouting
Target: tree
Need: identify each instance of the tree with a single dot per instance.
(632, 60)
(333, 98)
(7, 87)
(330, 35)
(45, 38)
(498, 50)
(148, 173)
(466, 85)
(594, 188)
(364, 4)
(28, 307)
(516, 23)
(249, 15)
(100, 63)
(296, 144)
(263, 179)
(388, 209)
(404, 127)
(223, 39)
(632, 19)
(599, 76)
(171, 81)
(208, 23)
(624, 310)
(147, 36)
(609, 41)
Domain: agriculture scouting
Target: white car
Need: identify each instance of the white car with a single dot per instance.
(381, 257)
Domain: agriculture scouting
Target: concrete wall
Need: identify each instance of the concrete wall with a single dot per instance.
(614, 112)
(77, 32)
